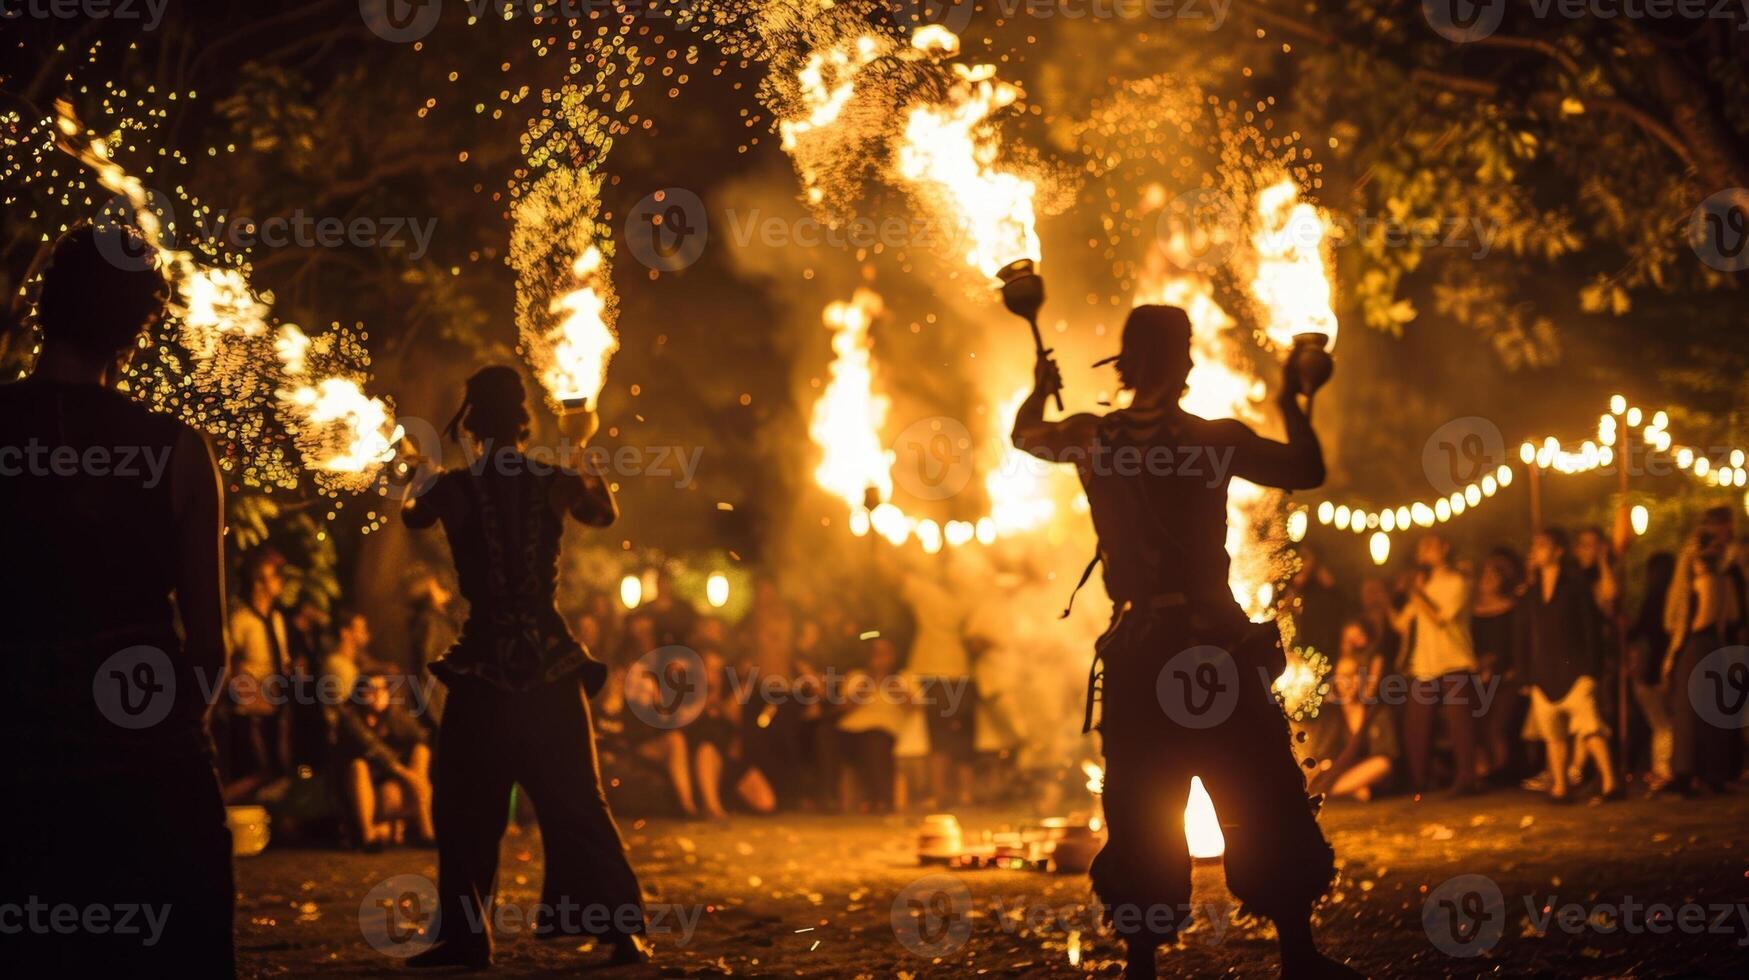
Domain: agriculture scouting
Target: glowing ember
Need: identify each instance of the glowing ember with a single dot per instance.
(1095, 776)
(1300, 685)
(948, 156)
(583, 341)
(1290, 284)
(823, 88)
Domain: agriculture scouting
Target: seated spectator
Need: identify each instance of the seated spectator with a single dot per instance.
(386, 762)
(1353, 739)
(350, 657)
(656, 708)
(871, 726)
(253, 749)
(717, 759)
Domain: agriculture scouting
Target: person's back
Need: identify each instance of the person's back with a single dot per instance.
(517, 711)
(1562, 644)
(504, 533)
(1157, 491)
(112, 593)
(86, 497)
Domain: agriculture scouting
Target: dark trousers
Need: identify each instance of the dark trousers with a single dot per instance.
(1450, 701)
(147, 851)
(1500, 729)
(542, 740)
(1277, 860)
(1702, 749)
(870, 756)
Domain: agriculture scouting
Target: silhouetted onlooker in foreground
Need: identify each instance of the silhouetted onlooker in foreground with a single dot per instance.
(1162, 535)
(518, 682)
(112, 592)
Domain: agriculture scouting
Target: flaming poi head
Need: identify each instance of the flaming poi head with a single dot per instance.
(565, 303)
(583, 341)
(1290, 284)
(342, 434)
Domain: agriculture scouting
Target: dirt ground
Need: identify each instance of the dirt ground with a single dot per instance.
(816, 896)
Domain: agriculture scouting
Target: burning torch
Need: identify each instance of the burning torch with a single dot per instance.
(1312, 364)
(1023, 292)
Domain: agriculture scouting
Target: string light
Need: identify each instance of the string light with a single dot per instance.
(1548, 455)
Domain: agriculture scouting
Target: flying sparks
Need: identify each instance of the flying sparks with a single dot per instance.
(342, 434)
(949, 155)
(565, 303)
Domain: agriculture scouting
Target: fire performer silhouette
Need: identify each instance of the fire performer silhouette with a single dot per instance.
(1181, 678)
(518, 711)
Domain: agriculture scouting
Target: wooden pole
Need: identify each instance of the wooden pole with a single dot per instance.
(1624, 535)
(1534, 472)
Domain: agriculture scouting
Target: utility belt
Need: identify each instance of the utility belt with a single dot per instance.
(1167, 622)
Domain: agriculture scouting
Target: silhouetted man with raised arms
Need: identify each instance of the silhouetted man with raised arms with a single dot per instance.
(1181, 679)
